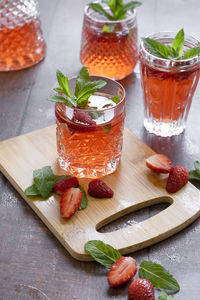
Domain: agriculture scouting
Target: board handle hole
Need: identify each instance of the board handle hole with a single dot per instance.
(131, 218)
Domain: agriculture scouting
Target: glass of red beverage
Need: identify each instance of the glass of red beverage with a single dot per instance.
(114, 53)
(89, 140)
(168, 86)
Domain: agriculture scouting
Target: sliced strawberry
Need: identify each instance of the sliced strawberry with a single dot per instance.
(122, 271)
(70, 201)
(177, 179)
(141, 289)
(82, 121)
(159, 163)
(63, 184)
(97, 188)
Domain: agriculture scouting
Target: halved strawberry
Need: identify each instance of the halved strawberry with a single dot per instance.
(122, 271)
(159, 163)
(177, 179)
(63, 184)
(70, 201)
(141, 289)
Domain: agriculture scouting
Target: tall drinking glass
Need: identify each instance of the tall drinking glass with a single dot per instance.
(168, 86)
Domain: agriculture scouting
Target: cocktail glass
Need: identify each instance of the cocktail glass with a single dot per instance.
(168, 87)
(89, 141)
(113, 54)
(21, 40)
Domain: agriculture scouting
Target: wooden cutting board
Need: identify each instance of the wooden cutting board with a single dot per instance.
(135, 187)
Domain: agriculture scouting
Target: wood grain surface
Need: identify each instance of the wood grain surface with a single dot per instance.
(134, 186)
(33, 264)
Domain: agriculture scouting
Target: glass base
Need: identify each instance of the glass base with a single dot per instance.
(163, 129)
(87, 172)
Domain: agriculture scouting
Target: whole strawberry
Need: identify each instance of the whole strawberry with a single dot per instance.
(63, 184)
(97, 188)
(141, 289)
(177, 179)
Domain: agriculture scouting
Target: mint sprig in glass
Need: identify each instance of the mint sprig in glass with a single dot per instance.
(90, 112)
(170, 70)
(109, 38)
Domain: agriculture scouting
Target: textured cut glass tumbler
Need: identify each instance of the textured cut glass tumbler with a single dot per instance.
(89, 141)
(168, 87)
(114, 53)
(21, 40)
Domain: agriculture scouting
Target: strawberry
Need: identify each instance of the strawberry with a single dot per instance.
(70, 201)
(63, 184)
(177, 179)
(98, 188)
(122, 271)
(141, 289)
(82, 121)
(159, 163)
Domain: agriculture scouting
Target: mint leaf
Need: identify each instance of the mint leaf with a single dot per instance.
(178, 43)
(156, 48)
(89, 89)
(104, 254)
(115, 6)
(158, 276)
(193, 175)
(82, 79)
(197, 167)
(107, 128)
(84, 201)
(164, 296)
(64, 83)
(32, 191)
(44, 181)
(108, 28)
(99, 9)
(122, 13)
(192, 53)
(59, 99)
(115, 99)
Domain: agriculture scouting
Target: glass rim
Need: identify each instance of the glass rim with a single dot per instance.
(133, 15)
(186, 36)
(99, 110)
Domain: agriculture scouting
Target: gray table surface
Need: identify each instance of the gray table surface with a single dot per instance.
(33, 264)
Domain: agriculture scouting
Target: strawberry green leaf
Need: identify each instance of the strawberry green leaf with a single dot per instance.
(164, 296)
(99, 9)
(178, 43)
(192, 53)
(32, 191)
(122, 13)
(44, 181)
(84, 201)
(104, 254)
(158, 275)
(156, 48)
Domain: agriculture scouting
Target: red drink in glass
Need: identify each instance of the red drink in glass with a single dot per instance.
(92, 148)
(168, 86)
(112, 54)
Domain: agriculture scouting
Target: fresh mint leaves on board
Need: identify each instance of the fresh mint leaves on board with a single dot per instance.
(195, 174)
(44, 181)
(158, 275)
(104, 254)
(117, 9)
(172, 52)
(165, 296)
(83, 90)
